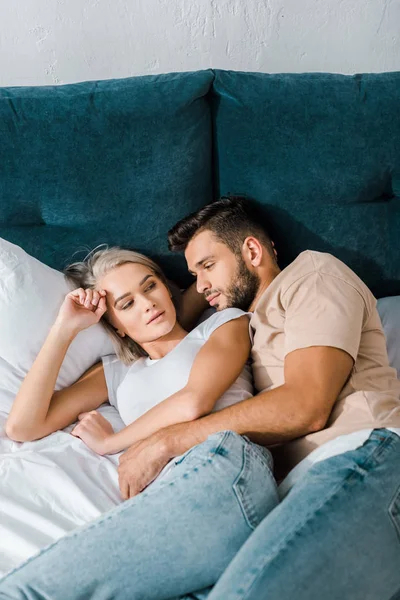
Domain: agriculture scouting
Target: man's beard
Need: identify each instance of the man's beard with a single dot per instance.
(243, 289)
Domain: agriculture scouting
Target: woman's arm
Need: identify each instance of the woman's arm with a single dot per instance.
(215, 368)
(37, 410)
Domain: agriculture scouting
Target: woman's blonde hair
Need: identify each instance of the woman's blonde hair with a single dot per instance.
(87, 273)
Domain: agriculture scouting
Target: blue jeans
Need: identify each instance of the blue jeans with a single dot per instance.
(336, 535)
(177, 536)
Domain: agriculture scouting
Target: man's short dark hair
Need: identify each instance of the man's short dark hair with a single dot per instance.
(231, 219)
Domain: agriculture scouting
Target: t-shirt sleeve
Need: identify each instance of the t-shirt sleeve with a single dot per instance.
(114, 372)
(323, 310)
(219, 318)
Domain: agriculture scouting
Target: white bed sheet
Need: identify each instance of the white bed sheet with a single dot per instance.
(49, 487)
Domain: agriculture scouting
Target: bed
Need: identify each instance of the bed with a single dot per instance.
(120, 162)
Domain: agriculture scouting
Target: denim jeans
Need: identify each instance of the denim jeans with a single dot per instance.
(336, 535)
(177, 536)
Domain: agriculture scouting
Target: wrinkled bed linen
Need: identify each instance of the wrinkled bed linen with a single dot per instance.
(49, 487)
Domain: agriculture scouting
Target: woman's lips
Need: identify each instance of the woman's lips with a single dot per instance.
(156, 318)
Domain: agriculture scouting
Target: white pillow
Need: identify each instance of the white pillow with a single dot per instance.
(31, 294)
(389, 312)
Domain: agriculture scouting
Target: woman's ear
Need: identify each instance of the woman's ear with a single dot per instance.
(120, 333)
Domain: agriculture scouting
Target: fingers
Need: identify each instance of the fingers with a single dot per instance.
(87, 414)
(89, 298)
(77, 295)
(129, 486)
(101, 307)
(123, 479)
(124, 487)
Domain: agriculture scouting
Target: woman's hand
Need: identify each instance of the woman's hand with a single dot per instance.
(81, 309)
(94, 430)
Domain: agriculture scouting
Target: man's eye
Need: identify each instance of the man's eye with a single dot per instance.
(127, 305)
(209, 266)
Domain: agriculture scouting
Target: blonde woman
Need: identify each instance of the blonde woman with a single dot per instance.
(161, 375)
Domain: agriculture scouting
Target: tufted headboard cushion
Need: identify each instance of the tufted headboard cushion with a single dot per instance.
(322, 154)
(115, 161)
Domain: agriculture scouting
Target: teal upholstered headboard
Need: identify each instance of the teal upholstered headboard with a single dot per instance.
(111, 161)
(322, 153)
(121, 161)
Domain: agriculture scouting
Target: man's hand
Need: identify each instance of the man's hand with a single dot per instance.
(145, 460)
(142, 462)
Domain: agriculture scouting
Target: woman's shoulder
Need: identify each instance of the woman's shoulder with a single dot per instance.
(112, 364)
(216, 319)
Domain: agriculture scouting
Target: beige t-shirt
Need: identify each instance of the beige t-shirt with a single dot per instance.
(318, 301)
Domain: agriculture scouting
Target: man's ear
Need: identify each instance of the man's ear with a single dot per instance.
(252, 250)
(274, 249)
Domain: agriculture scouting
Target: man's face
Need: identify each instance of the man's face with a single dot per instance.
(222, 277)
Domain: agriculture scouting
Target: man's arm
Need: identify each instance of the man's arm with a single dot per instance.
(314, 378)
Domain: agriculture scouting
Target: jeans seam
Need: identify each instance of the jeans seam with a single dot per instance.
(263, 461)
(392, 503)
(246, 508)
(372, 457)
(221, 442)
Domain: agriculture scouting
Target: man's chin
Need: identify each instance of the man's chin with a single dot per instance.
(222, 305)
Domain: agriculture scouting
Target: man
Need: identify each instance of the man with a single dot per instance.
(320, 366)
(326, 395)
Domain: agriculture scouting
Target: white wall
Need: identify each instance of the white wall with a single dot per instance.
(61, 41)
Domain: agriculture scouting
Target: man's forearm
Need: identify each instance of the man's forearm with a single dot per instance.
(269, 418)
(179, 408)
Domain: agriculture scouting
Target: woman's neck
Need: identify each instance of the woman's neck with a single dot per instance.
(163, 345)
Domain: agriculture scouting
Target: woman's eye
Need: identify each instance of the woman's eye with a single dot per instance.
(151, 286)
(127, 305)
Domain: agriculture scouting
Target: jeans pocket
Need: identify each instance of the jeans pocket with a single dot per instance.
(204, 450)
(179, 459)
(394, 511)
(255, 488)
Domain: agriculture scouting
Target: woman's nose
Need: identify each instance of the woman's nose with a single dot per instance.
(149, 304)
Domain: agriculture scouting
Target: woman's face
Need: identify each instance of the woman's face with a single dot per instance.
(139, 304)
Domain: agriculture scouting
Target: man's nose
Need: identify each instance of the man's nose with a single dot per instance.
(202, 285)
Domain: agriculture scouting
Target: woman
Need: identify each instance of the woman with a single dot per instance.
(162, 374)
(155, 544)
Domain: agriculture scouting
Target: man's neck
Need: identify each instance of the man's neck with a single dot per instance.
(264, 284)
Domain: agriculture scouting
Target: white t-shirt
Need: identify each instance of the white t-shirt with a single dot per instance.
(136, 388)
